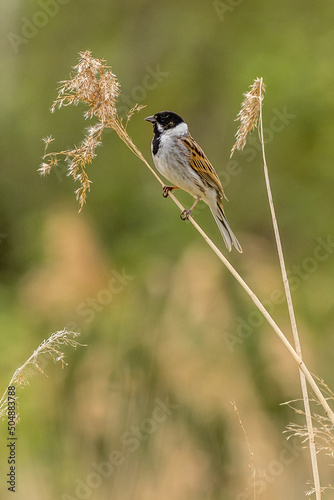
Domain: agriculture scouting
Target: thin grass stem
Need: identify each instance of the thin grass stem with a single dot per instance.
(287, 291)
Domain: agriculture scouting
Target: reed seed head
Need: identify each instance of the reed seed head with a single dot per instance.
(93, 84)
(249, 113)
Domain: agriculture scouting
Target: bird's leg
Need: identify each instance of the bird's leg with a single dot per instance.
(185, 214)
(168, 189)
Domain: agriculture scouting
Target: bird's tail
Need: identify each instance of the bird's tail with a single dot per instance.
(224, 228)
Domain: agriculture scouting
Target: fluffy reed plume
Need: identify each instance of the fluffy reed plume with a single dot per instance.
(93, 84)
(249, 113)
(53, 346)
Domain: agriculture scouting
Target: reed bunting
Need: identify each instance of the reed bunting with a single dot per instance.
(181, 160)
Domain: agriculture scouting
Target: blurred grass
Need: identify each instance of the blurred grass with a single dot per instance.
(163, 334)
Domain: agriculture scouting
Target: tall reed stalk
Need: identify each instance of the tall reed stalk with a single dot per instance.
(250, 116)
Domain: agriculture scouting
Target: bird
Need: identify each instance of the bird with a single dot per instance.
(178, 157)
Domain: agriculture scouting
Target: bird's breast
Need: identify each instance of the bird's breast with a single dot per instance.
(172, 161)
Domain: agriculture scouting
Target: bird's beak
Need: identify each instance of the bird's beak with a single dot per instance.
(151, 119)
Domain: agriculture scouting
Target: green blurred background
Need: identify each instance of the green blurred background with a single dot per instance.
(178, 330)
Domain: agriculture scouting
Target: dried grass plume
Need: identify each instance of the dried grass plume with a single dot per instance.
(53, 346)
(249, 113)
(322, 426)
(93, 84)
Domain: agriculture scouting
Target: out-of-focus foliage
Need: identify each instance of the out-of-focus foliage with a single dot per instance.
(171, 339)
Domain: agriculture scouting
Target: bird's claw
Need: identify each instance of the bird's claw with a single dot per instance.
(166, 190)
(185, 214)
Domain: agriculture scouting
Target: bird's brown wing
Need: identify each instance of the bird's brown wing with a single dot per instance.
(202, 166)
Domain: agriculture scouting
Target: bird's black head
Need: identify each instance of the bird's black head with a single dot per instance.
(164, 120)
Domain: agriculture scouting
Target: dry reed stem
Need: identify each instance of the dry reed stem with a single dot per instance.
(113, 121)
(257, 91)
(250, 116)
(52, 346)
(266, 315)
